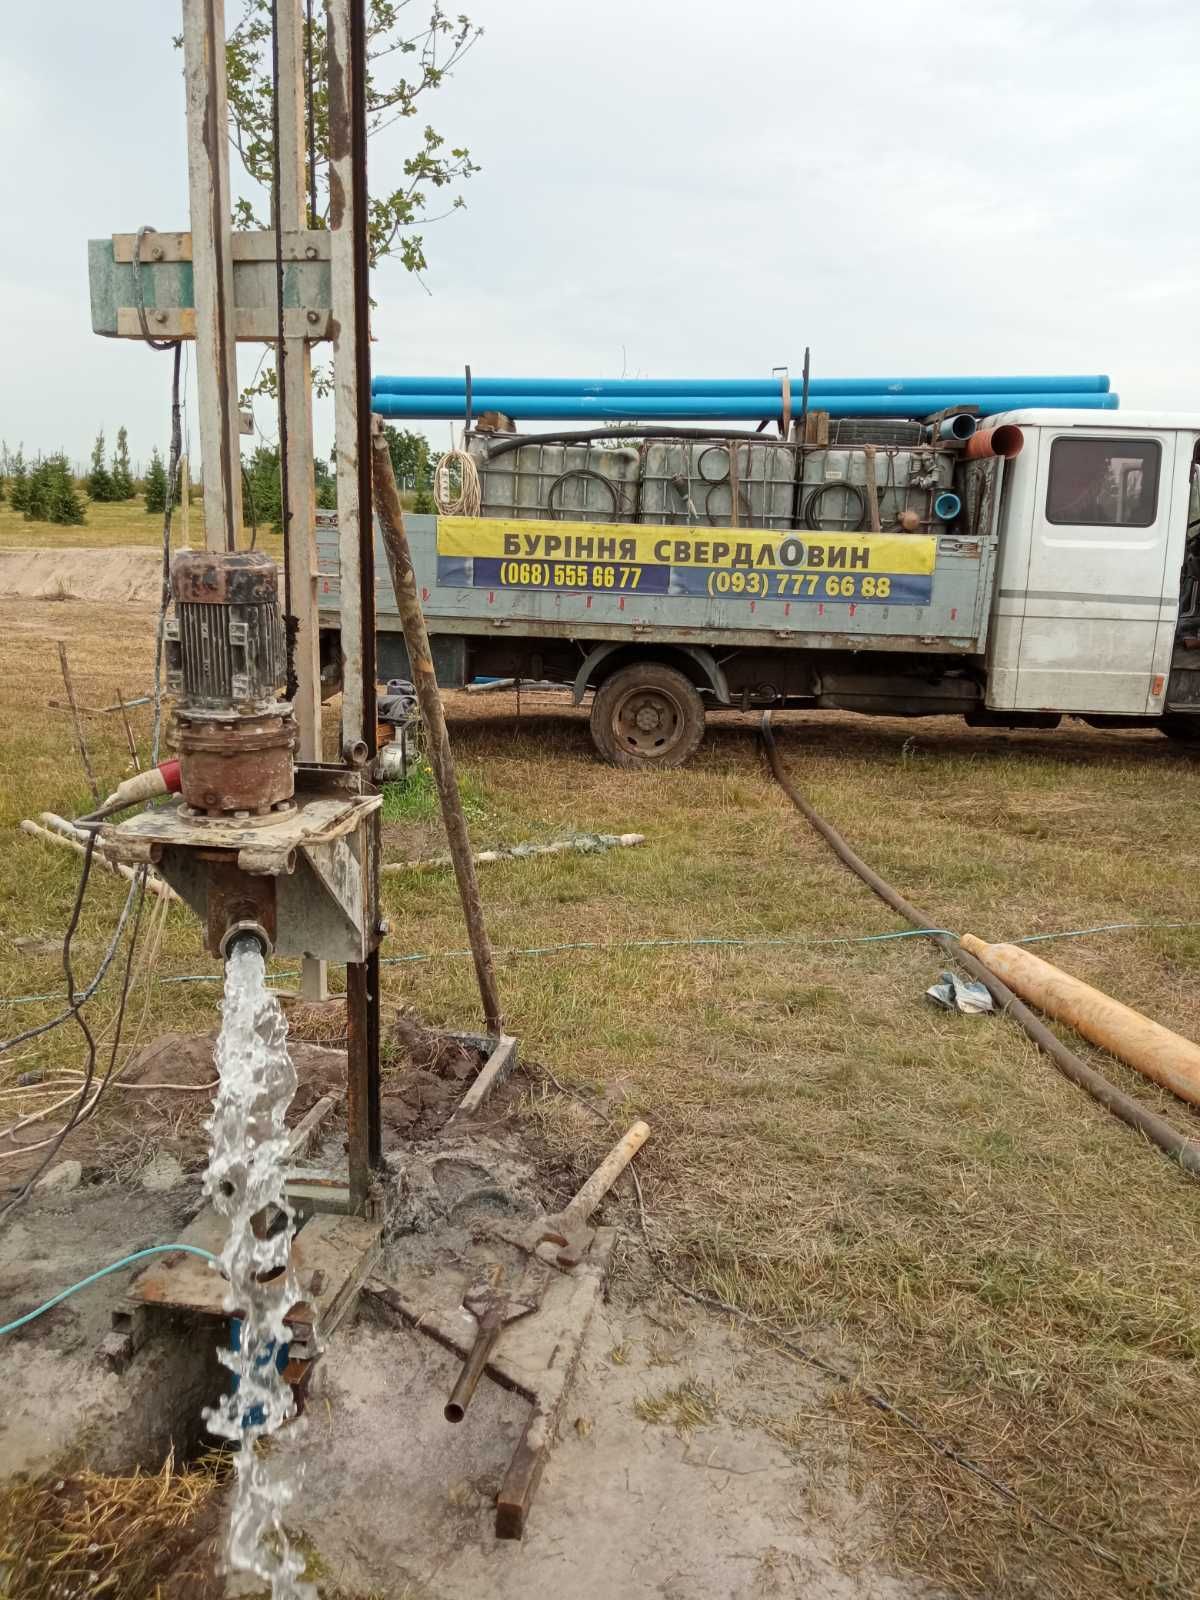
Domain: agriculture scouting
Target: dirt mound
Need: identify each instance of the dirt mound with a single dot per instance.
(123, 573)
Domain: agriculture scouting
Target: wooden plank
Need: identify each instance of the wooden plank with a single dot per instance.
(342, 216)
(300, 531)
(308, 1125)
(184, 1282)
(342, 1250)
(251, 325)
(257, 244)
(212, 269)
(493, 1072)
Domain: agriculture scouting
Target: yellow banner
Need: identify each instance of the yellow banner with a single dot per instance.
(793, 551)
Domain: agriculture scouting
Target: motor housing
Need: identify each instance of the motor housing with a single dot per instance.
(226, 663)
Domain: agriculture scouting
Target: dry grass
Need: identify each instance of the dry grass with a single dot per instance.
(918, 1195)
(683, 1406)
(142, 1537)
(127, 523)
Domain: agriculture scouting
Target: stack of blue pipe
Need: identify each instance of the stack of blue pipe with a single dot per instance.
(653, 400)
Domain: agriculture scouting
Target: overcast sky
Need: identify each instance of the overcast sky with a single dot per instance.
(674, 187)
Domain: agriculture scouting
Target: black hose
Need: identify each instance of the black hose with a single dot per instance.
(1157, 1129)
(580, 472)
(812, 508)
(516, 441)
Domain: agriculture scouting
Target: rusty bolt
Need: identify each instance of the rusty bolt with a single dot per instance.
(310, 252)
(314, 316)
(160, 316)
(157, 253)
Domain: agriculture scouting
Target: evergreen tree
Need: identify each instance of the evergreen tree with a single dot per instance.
(424, 504)
(65, 506)
(52, 495)
(122, 477)
(99, 479)
(154, 485)
(18, 496)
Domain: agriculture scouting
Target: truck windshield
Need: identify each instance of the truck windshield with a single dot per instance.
(1106, 483)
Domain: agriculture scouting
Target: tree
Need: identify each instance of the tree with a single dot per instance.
(326, 484)
(154, 485)
(18, 494)
(410, 457)
(122, 477)
(262, 491)
(99, 480)
(52, 496)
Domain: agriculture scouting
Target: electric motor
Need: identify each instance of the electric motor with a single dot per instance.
(226, 662)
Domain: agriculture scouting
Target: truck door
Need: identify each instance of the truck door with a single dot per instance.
(1096, 587)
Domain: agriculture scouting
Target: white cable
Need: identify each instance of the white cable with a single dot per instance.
(467, 501)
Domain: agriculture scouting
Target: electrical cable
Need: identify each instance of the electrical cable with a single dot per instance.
(104, 1272)
(1186, 1152)
(75, 1008)
(469, 498)
(84, 1107)
(715, 942)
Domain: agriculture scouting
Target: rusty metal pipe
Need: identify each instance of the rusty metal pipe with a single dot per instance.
(1005, 441)
(455, 1408)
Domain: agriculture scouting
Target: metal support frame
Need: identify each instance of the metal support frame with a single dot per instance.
(296, 399)
(351, 369)
(212, 268)
(162, 283)
(346, 40)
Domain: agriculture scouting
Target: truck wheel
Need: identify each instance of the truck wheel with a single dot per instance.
(647, 716)
(1182, 727)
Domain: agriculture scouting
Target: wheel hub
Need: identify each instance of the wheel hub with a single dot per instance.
(648, 722)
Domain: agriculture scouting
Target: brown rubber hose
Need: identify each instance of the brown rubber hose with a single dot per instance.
(1160, 1132)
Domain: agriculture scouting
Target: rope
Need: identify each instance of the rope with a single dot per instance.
(467, 501)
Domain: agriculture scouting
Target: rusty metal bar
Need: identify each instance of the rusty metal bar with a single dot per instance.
(441, 756)
(362, 1076)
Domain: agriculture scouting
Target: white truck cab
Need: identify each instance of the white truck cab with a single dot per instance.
(1093, 522)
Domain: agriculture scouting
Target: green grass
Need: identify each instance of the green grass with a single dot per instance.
(415, 798)
(126, 523)
(920, 1195)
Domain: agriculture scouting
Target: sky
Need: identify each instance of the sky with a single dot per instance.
(672, 187)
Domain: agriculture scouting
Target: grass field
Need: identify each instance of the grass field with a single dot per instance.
(106, 525)
(918, 1196)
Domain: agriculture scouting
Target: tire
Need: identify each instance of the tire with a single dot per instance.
(1183, 727)
(648, 717)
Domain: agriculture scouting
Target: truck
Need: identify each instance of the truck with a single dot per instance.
(1046, 567)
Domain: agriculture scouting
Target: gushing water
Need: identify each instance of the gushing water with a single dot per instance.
(245, 1181)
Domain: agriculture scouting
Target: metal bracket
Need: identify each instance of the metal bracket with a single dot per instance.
(250, 323)
(306, 244)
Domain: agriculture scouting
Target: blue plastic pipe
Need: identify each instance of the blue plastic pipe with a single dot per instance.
(735, 408)
(947, 506)
(620, 388)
